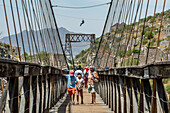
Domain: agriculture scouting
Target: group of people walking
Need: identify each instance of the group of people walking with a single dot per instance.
(77, 79)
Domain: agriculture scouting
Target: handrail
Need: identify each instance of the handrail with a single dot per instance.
(30, 86)
(135, 89)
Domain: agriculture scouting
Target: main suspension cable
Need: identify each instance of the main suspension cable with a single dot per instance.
(84, 7)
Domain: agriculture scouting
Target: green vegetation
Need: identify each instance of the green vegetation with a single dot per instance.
(71, 67)
(149, 35)
(168, 89)
(152, 42)
(127, 27)
(166, 49)
(169, 16)
(135, 51)
(81, 53)
(107, 47)
(129, 61)
(141, 20)
(158, 14)
(168, 37)
(166, 80)
(121, 53)
(148, 18)
(44, 55)
(118, 39)
(28, 58)
(144, 41)
(129, 53)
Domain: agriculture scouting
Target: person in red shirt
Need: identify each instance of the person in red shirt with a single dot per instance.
(86, 72)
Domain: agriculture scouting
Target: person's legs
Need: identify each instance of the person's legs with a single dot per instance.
(71, 99)
(94, 98)
(73, 91)
(77, 93)
(70, 93)
(81, 94)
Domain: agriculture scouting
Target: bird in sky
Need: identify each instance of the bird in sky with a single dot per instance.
(82, 22)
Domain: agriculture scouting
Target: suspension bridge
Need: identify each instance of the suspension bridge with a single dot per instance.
(129, 57)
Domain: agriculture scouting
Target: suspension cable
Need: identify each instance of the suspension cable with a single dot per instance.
(92, 6)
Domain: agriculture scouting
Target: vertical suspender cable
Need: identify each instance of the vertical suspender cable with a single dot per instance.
(160, 33)
(13, 18)
(58, 34)
(143, 31)
(146, 61)
(103, 31)
(9, 35)
(23, 45)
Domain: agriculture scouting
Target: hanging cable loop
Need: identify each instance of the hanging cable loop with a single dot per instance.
(85, 7)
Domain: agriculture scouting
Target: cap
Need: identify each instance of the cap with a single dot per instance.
(79, 74)
(71, 73)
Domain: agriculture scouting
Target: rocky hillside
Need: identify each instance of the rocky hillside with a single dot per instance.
(135, 38)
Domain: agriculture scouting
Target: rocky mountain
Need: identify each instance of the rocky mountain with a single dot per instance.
(62, 32)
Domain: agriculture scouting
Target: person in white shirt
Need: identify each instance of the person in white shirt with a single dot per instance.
(79, 88)
(79, 70)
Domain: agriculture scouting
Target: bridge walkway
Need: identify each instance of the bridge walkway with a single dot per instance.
(65, 107)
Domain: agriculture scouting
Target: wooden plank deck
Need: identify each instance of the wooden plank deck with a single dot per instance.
(64, 107)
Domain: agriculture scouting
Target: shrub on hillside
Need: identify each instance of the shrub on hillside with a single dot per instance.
(168, 89)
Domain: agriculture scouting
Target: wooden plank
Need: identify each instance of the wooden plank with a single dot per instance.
(52, 91)
(41, 93)
(147, 95)
(110, 92)
(154, 103)
(38, 94)
(26, 88)
(3, 98)
(124, 94)
(121, 93)
(135, 92)
(106, 90)
(131, 95)
(128, 87)
(12, 96)
(141, 102)
(116, 95)
(22, 97)
(34, 92)
(31, 96)
(113, 94)
(162, 99)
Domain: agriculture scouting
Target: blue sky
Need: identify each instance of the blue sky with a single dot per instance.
(71, 18)
(94, 17)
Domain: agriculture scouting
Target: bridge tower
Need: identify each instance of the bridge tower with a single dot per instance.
(70, 38)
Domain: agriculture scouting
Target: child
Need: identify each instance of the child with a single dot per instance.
(71, 83)
(79, 87)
